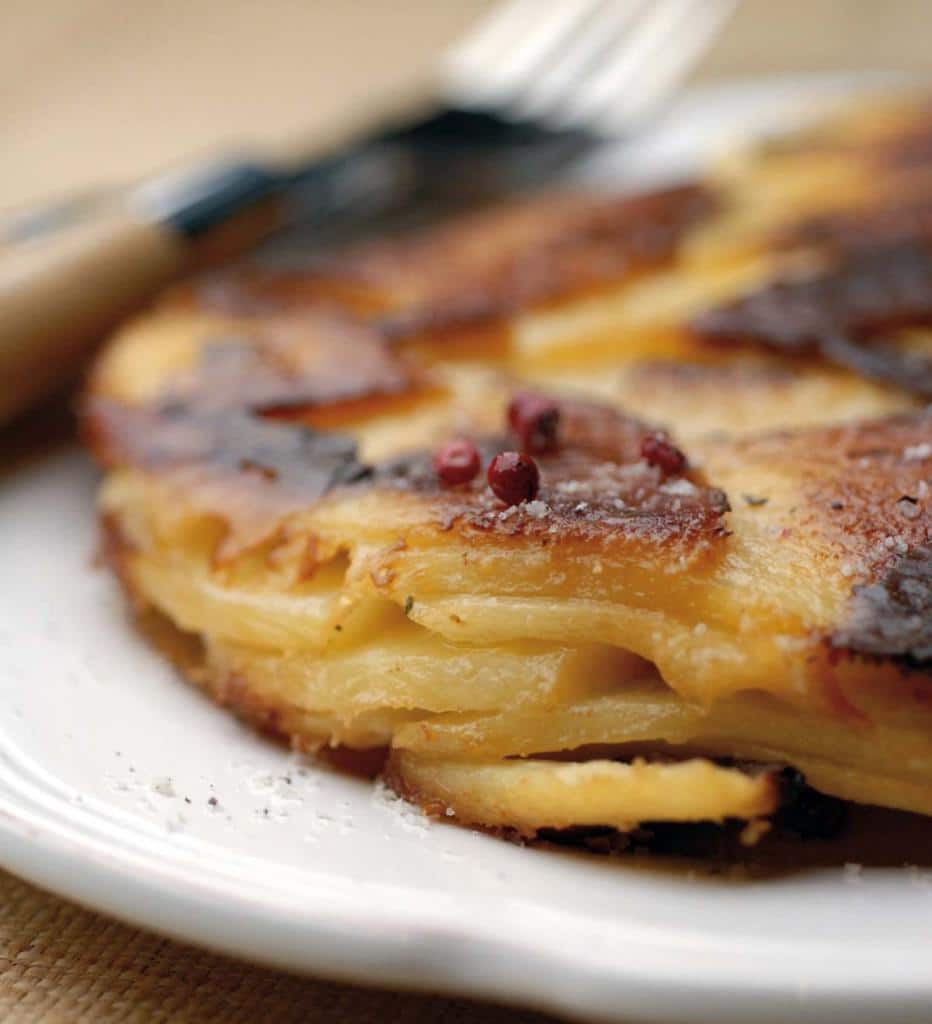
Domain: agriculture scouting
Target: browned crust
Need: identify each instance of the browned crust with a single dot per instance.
(479, 268)
(878, 225)
(865, 493)
(595, 488)
(874, 273)
(429, 805)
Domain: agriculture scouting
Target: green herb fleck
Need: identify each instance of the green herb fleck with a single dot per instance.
(409, 604)
(754, 501)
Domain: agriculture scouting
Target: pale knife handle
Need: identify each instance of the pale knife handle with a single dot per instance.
(60, 292)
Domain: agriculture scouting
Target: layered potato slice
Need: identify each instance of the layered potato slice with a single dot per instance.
(636, 643)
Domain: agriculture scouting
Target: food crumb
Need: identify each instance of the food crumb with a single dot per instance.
(163, 787)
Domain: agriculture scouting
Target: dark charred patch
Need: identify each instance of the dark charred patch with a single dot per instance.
(846, 313)
(876, 277)
(233, 424)
(288, 366)
(880, 225)
(230, 442)
(892, 617)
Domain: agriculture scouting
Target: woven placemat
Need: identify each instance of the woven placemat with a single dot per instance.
(60, 964)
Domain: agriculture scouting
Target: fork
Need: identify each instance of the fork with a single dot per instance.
(535, 85)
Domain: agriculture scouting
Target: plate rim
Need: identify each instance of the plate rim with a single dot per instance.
(350, 944)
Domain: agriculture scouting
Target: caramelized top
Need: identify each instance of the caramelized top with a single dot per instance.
(863, 493)
(293, 364)
(479, 268)
(594, 486)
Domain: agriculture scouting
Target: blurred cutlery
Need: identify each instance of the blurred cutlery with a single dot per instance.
(534, 85)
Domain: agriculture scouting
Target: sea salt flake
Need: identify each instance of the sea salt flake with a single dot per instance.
(163, 787)
(681, 486)
(537, 509)
(908, 509)
(917, 452)
(409, 817)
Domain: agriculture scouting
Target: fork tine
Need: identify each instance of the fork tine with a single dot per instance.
(509, 48)
(489, 37)
(578, 54)
(644, 65)
(698, 32)
(601, 64)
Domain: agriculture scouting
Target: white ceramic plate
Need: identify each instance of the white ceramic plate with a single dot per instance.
(125, 789)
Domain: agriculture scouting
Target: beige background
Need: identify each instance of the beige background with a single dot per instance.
(102, 90)
(94, 91)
